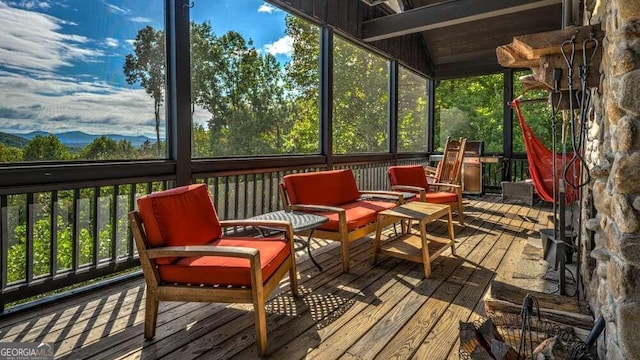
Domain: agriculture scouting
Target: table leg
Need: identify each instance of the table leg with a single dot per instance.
(307, 244)
(451, 233)
(376, 241)
(426, 261)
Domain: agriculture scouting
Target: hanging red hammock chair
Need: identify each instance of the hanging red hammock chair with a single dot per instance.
(540, 160)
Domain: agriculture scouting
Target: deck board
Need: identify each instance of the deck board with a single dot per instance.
(384, 311)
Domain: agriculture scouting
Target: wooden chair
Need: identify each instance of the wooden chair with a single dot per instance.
(450, 168)
(413, 179)
(335, 195)
(185, 256)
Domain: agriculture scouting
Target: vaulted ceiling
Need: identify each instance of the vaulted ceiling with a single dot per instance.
(460, 36)
(440, 38)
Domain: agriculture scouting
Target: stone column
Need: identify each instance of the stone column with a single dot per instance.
(613, 154)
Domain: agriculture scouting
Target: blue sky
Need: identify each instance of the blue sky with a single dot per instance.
(61, 60)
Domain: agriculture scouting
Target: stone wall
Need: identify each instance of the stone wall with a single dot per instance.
(611, 246)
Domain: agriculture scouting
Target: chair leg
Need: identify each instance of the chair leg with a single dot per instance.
(460, 214)
(150, 316)
(345, 255)
(293, 278)
(261, 326)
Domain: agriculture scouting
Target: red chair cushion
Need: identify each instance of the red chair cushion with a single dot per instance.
(412, 175)
(178, 217)
(441, 197)
(214, 270)
(359, 214)
(329, 188)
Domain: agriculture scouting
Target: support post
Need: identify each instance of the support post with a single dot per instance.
(178, 91)
(326, 95)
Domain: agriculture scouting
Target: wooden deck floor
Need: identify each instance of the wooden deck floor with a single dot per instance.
(374, 312)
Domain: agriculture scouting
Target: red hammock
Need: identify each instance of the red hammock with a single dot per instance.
(541, 164)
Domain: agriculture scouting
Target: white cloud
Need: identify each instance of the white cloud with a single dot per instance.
(30, 4)
(111, 42)
(130, 41)
(33, 42)
(140, 19)
(64, 104)
(116, 9)
(267, 8)
(283, 46)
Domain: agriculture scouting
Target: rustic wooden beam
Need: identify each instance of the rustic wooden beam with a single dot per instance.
(511, 57)
(507, 298)
(445, 14)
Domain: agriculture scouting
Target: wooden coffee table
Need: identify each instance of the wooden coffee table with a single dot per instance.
(411, 245)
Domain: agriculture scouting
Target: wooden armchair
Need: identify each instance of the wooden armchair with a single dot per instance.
(450, 168)
(185, 256)
(412, 179)
(335, 194)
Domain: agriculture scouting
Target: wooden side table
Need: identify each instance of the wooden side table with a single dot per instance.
(420, 247)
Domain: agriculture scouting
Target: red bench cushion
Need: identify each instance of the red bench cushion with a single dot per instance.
(359, 214)
(214, 270)
(412, 175)
(328, 188)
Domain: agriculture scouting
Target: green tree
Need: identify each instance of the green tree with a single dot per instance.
(10, 154)
(241, 88)
(303, 85)
(147, 66)
(45, 148)
(471, 108)
(104, 148)
(360, 103)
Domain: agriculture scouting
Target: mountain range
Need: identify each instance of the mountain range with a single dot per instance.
(72, 138)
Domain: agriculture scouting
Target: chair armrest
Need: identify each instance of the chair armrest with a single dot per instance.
(202, 250)
(454, 186)
(309, 208)
(408, 188)
(421, 191)
(285, 225)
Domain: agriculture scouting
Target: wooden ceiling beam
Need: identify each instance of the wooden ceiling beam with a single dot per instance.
(445, 14)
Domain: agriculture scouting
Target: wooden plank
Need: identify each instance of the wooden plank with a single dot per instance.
(312, 338)
(409, 338)
(510, 293)
(348, 334)
(439, 342)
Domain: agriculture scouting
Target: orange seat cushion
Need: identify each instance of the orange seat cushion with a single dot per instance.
(217, 270)
(328, 188)
(412, 175)
(179, 217)
(442, 197)
(359, 214)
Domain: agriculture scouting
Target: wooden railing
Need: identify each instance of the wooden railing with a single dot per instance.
(61, 234)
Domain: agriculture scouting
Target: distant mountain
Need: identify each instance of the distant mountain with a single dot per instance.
(81, 139)
(12, 140)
